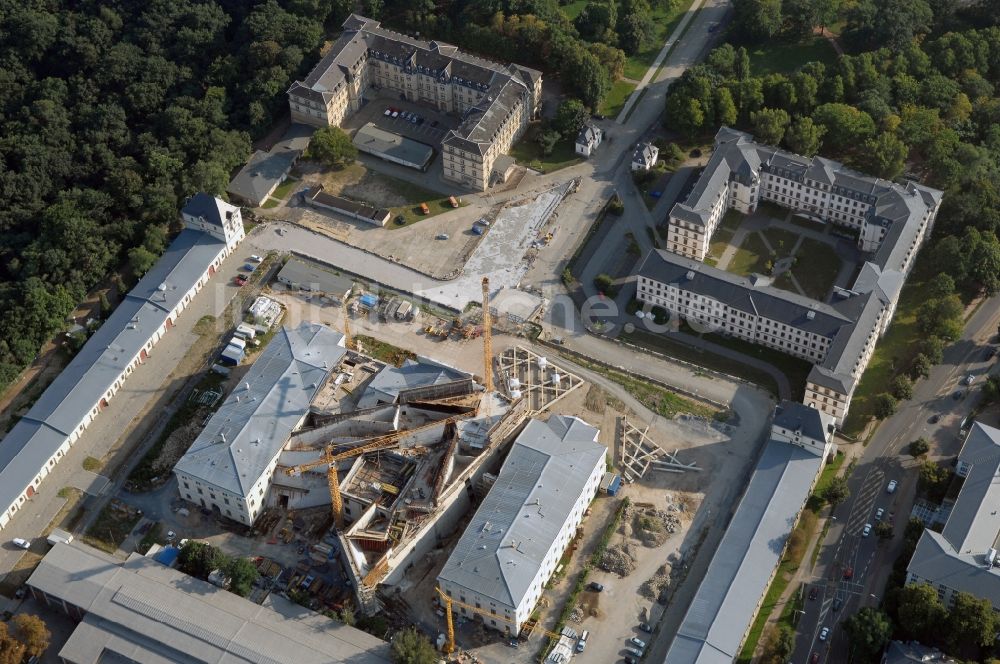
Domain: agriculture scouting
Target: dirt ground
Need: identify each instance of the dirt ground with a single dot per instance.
(355, 182)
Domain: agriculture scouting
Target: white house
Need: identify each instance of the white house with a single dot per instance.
(588, 139)
(228, 467)
(645, 157)
(514, 541)
(803, 426)
(85, 387)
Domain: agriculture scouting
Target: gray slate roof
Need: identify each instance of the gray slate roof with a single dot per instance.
(742, 294)
(505, 542)
(142, 611)
(956, 556)
(213, 210)
(737, 577)
(801, 418)
(68, 399)
(246, 433)
(386, 385)
(588, 135)
(265, 170)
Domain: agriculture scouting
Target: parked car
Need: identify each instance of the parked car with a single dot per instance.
(21, 543)
(582, 643)
(891, 487)
(388, 112)
(443, 236)
(434, 123)
(935, 418)
(813, 592)
(990, 352)
(420, 121)
(240, 279)
(824, 633)
(637, 642)
(646, 627)
(837, 603)
(630, 660)
(968, 379)
(634, 651)
(255, 258)
(596, 587)
(879, 513)
(867, 530)
(849, 573)
(956, 395)
(20, 592)
(395, 114)
(814, 658)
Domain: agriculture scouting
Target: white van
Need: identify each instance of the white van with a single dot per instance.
(582, 643)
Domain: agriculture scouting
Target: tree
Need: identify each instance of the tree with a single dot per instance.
(725, 108)
(547, 139)
(635, 31)
(921, 366)
(902, 388)
(836, 491)
(883, 530)
(846, 126)
(242, 575)
(757, 20)
(940, 285)
(779, 643)
(885, 405)
(588, 78)
(800, 17)
(884, 156)
(412, 647)
(869, 630)
(918, 448)
(934, 480)
(941, 317)
(605, 284)
(933, 349)
(198, 559)
(769, 125)
(331, 147)
(570, 117)
(141, 259)
(920, 611)
(32, 632)
(889, 23)
(684, 114)
(597, 21)
(12, 651)
(972, 624)
(804, 137)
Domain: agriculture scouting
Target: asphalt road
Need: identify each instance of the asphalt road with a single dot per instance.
(845, 547)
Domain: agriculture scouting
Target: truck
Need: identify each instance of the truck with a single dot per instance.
(58, 536)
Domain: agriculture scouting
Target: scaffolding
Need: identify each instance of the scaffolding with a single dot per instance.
(639, 453)
(535, 378)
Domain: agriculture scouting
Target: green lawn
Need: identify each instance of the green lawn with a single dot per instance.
(411, 212)
(894, 350)
(573, 9)
(781, 240)
(724, 234)
(817, 267)
(784, 58)
(830, 471)
(750, 257)
(615, 101)
(529, 153)
(665, 21)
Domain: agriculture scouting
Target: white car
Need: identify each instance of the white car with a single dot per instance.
(21, 543)
(969, 379)
(395, 114)
(879, 513)
(824, 633)
(638, 643)
(891, 488)
(867, 530)
(388, 112)
(255, 258)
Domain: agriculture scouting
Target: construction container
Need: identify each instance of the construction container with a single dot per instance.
(238, 342)
(424, 209)
(368, 300)
(611, 484)
(245, 331)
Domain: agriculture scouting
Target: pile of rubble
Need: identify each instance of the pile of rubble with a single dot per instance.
(619, 560)
(576, 615)
(652, 527)
(657, 587)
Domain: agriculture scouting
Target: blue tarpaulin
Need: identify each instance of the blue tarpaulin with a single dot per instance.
(368, 300)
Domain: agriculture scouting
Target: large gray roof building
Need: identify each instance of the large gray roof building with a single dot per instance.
(963, 557)
(730, 594)
(229, 465)
(93, 377)
(385, 386)
(837, 336)
(515, 539)
(142, 612)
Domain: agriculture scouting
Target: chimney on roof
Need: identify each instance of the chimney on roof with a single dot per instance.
(690, 275)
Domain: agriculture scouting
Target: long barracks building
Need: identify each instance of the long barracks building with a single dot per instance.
(495, 101)
(41, 438)
(837, 336)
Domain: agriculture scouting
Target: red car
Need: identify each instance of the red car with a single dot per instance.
(849, 573)
(814, 659)
(240, 280)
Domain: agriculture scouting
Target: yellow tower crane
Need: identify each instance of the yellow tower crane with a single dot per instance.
(449, 646)
(378, 443)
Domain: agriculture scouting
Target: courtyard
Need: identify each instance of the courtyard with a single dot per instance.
(799, 255)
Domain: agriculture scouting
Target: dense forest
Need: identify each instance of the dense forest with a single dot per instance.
(111, 114)
(926, 107)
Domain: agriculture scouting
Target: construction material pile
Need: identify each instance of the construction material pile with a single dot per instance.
(618, 559)
(576, 615)
(652, 527)
(656, 588)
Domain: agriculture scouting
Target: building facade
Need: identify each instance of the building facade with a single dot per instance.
(514, 541)
(496, 102)
(40, 439)
(588, 140)
(837, 336)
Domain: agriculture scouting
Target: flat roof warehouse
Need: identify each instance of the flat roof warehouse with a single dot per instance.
(393, 147)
